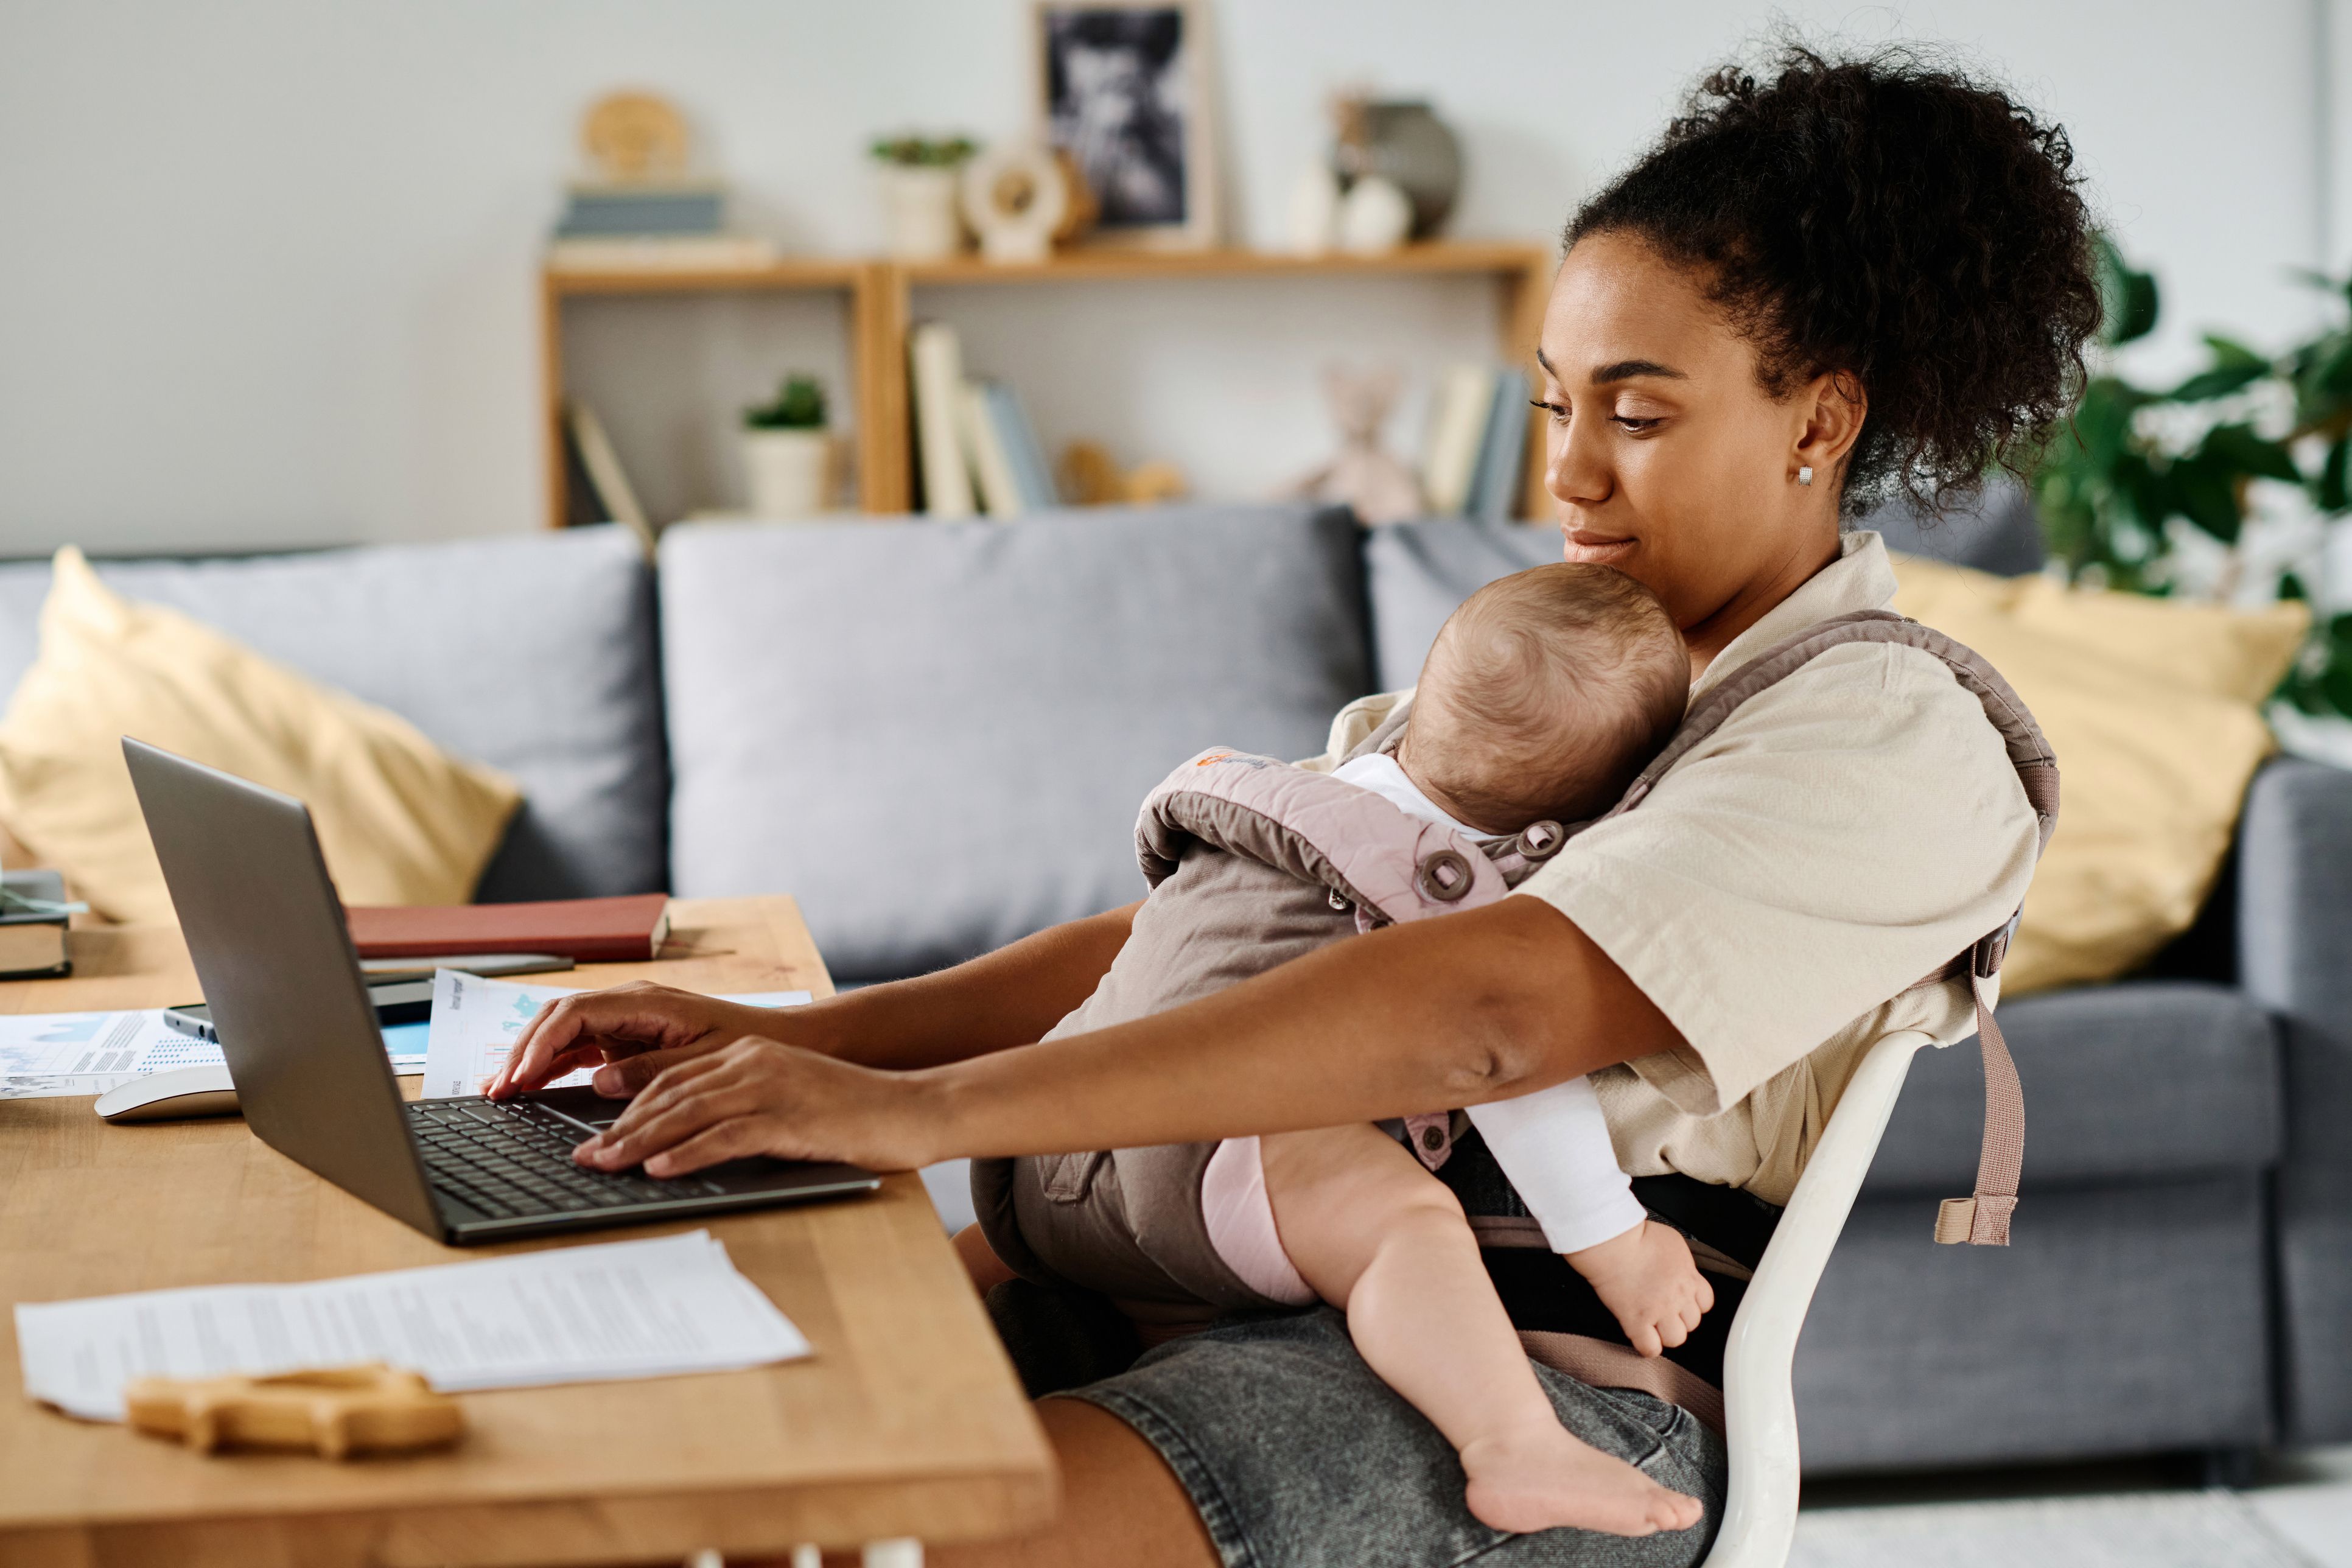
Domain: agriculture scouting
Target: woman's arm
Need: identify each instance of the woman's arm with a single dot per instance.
(1442, 1013)
(1002, 999)
(1006, 998)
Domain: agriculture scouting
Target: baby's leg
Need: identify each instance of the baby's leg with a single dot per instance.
(1380, 1237)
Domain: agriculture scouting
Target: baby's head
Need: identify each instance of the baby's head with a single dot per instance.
(1545, 693)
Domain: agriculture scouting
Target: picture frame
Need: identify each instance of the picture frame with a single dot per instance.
(1123, 86)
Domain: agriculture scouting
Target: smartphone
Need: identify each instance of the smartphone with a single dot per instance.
(396, 1002)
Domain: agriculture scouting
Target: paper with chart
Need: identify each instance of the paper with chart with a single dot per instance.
(43, 1054)
(576, 1314)
(475, 1022)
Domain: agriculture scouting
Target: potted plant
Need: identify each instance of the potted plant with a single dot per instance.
(2162, 489)
(787, 454)
(918, 194)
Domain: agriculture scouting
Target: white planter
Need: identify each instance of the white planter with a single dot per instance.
(918, 209)
(788, 472)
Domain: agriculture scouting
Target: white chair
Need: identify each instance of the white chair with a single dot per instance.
(1759, 1396)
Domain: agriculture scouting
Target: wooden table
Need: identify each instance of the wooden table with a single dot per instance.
(908, 1422)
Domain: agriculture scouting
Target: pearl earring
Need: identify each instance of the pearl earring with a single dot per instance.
(1805, 475)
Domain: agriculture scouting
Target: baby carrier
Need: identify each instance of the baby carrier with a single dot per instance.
(1127, 1223)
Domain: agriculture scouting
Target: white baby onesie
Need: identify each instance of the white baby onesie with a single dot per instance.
(1554, 1144)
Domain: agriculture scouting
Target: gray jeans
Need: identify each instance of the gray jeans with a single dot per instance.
(1298, 1457)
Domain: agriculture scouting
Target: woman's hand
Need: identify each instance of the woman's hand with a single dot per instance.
(635, 1030)
(759, 1097)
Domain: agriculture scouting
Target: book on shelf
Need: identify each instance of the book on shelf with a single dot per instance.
(1033, 475)
(597, 488)
(983, 448)
(661, 253)
(33, 916)
(1457, 432)
(934, 361)
(1502, 451)
(645, 210)
(587, 931)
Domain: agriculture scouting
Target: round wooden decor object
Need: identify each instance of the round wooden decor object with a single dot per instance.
(1015, 199)
(633, 137)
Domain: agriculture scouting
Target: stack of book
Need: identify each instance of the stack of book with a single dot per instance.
(1477, 443)
(652, 226)
(975, 449)
(33, 916)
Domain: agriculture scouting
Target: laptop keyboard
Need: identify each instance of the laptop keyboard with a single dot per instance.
(511, 1158)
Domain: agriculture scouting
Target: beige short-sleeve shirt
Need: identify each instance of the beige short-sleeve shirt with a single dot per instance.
(1845, 833)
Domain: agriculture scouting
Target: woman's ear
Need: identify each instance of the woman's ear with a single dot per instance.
(1834, 406)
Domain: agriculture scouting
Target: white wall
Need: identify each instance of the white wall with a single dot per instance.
(266, 265)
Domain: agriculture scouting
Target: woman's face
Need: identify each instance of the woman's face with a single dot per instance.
(1665, 456)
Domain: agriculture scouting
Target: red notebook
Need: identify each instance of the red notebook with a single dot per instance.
(587, 931)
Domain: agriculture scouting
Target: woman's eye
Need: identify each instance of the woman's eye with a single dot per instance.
(1558, 411)
(1633, 425)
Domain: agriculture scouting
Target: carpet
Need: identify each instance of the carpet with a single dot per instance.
(2150, 1530)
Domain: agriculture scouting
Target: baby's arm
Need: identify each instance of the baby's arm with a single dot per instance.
(1554, 1146)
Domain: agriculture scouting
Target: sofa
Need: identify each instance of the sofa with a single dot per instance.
(935, 736)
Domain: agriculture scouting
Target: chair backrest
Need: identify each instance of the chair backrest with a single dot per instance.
(1759, 1396)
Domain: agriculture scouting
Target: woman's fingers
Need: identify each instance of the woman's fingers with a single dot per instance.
(684, 1100)
(774, 1100)
(729, 1140)
(626, 1018)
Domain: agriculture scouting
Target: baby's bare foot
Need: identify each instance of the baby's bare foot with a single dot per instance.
(1546, 1477)
(1645, 1277)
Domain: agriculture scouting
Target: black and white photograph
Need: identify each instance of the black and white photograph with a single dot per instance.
(1121, 91)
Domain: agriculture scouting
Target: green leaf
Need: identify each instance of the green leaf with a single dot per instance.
(2234, 366)
(2237, 446)
(2204, 491)
(2329, 491)
(2128, 299)
(2218, 382)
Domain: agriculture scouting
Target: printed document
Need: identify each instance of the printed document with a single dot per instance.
(475, 1022)
(579, 1314)
(49, 1054)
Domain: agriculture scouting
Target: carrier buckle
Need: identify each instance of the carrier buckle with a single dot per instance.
(1443, 876)
(1541, 840)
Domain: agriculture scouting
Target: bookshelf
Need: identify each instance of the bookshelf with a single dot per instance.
(880, 296)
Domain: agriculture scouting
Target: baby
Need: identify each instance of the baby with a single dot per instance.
(1544, 694)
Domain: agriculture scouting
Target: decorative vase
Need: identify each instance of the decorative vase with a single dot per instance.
(1374, 215)
(788, 472)
(1407, 145)
(918, 206)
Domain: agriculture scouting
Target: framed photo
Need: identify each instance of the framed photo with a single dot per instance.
(1122, 88)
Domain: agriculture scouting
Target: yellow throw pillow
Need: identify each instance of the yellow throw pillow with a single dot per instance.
(2154, 709)
(400, 821)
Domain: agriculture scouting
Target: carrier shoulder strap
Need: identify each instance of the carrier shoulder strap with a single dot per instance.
(1982, 1217)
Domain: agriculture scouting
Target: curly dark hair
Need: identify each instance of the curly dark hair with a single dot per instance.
(1889, 219)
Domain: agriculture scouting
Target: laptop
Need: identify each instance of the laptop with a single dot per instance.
(284, 985)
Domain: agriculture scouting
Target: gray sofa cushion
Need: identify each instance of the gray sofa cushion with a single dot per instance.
(2119, 1320)
(1996, 533)
(1416, 573)
(533, 654)
(1419, 571)
(937, 735)
(2143, 1078)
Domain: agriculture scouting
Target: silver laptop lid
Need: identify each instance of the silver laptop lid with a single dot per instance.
(265, 930)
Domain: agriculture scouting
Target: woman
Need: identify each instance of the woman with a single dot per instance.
(1857, 280)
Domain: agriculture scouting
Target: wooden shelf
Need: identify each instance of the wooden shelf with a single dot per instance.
(880, 313)
(796, 272)
(1435, 256)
